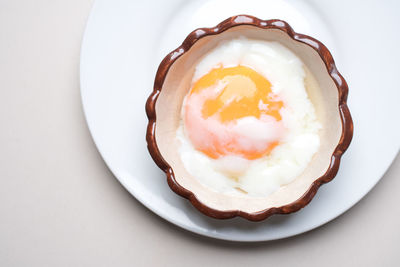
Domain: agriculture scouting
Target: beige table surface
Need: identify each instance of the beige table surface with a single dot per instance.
(61, 206)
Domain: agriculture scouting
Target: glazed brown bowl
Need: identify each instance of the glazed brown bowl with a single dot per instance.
(326, 88)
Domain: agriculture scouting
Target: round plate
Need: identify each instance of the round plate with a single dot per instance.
(125, 41)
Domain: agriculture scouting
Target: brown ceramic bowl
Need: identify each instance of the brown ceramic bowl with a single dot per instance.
(326, 89)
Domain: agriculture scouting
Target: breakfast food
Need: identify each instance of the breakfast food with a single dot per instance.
(247, 125)
(254, 152)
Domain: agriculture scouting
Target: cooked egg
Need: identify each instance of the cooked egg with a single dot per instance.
(248, 126)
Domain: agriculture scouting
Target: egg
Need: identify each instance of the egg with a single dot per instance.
(247, 125)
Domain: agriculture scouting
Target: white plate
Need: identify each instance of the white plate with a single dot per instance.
(125, 40)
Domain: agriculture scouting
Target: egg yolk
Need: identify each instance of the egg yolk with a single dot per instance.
(239, 92)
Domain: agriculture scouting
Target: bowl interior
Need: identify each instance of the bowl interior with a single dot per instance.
(321, 90)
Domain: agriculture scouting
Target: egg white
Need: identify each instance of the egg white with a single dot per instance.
(288, 160)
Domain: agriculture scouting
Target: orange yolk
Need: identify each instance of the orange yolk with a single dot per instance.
(244, 93)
